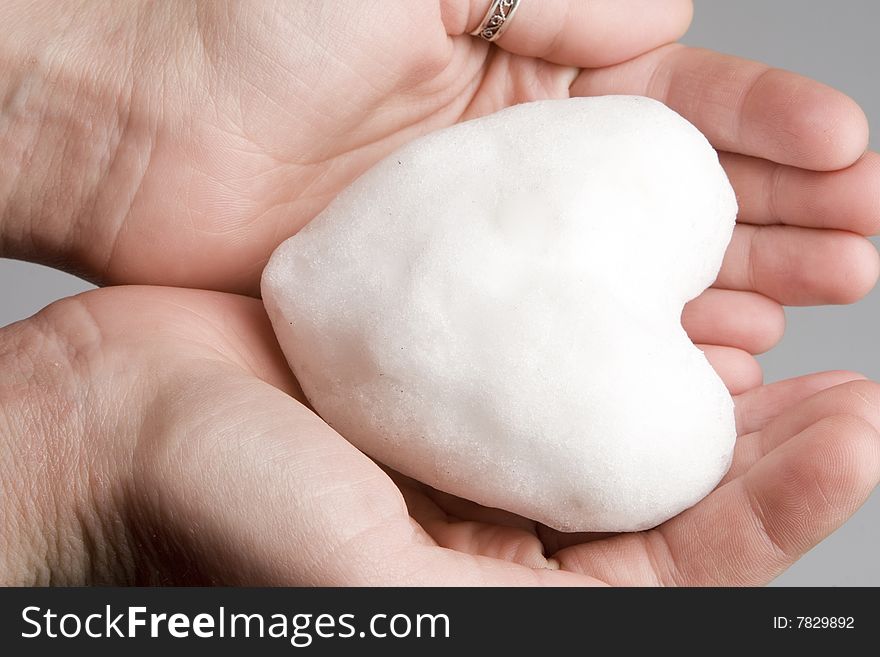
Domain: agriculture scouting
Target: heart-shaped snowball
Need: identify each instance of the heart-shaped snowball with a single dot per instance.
(495, 310)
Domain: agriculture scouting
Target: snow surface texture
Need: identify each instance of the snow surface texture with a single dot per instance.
(495, 309)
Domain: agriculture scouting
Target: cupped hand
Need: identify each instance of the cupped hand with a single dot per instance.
(155, 435)
(178, 144)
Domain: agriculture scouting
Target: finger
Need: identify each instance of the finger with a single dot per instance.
(436, 566)
(799, 266)
(750, 530)
(857, 397)
(743, 106)
(489, 539)
(770, 193)
(744, 320)
(575, 33)
(782, 507)
(463, 509)
(755, 408)
(555, 540)
(737, 368)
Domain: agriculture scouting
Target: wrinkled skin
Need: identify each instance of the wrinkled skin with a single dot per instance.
(152, 434)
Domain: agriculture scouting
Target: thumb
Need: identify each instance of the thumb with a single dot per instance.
(576, 33)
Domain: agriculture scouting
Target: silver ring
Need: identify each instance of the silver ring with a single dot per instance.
(496, 20)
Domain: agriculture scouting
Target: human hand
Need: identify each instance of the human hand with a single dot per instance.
(179, 143)
(156, 435)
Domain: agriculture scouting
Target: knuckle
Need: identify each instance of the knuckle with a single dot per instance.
(54, 406)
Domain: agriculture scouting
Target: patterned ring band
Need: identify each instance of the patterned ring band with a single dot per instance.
(496, 20)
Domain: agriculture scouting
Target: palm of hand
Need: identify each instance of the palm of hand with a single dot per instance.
(265, 118)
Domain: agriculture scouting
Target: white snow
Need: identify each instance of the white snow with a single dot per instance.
(494, 310)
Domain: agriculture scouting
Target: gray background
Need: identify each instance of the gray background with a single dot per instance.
(835, 42)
